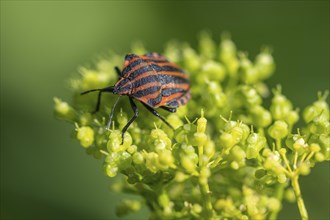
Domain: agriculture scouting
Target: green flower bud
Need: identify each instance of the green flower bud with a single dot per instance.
(136, 134)
(228, 55)
(274, 204)
(152, 162)
(180, 177)
(85, 119)
(111, 170)
(324, 142)
(234, 165)
(318, 107)
(200, 138)
(249, 96)
(85, 135)
(174, 120)
(224, 204)
(138, 48)
(114, 143)
(256, 142)
(138, 158)
(166, 158)
(267, 152)
(282, 178)
(186, 132)
(273, 163)
(310, 113)
(112, 158)
(278, 130)
(93, 79)
(209, 149)
(172, 51)
(212, 71)
(260, 116)
(131, 149)
(237, 154)
(291, 139)
(315, 147)
(249, 73)
(201, 123)
(292, 117)
(63, 110)
(206, 45)
(197, 208)
(191, 59)
(289, 195)
(163, 200)
(227, 140)
(281, 107)
(265, 65)
(122, 119)
(237, 134)
(245, 131)
(319, 157)
(300, 146)
(304, 169)
(188, 164)
(320, 125)
(160, 140)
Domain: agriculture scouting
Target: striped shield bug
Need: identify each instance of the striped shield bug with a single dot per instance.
(152, 80)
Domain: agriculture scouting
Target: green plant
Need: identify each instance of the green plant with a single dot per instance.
(229, 156)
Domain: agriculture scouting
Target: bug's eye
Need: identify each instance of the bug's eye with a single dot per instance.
(126, 63)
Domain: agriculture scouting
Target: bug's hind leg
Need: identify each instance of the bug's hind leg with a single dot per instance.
(136, 113)
(169, 109)
(153, 111)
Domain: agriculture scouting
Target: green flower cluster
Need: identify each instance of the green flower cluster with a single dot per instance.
(229, 155)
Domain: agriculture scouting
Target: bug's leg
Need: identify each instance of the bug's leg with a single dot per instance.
(107, 89)
(111, 113)
(169, 109)
(118, 71)
(136, 113)
(153, 111)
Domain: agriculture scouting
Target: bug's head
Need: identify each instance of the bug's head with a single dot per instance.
(123, 87)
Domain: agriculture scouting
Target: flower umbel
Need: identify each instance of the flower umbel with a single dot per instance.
(229, 155)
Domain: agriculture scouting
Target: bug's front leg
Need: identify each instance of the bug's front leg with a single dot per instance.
(107, 89)
(153, 111)
(136, 113)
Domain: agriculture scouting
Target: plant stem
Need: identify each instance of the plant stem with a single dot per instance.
(300, 201)
(204, 186)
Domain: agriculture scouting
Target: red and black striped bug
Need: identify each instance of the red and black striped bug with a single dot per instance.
(152, 80)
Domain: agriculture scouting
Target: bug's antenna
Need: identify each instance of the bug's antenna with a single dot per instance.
(107, 89)
(111, 113)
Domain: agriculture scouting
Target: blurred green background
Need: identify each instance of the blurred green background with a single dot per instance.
(44, 173)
